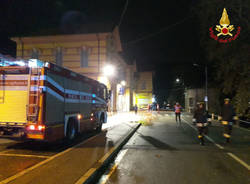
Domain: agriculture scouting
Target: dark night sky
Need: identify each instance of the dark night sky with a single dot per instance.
(170, 53)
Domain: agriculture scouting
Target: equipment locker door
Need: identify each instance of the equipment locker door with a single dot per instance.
(13, 91)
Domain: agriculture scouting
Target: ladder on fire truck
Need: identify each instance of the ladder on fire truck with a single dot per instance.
(2, 88)
(33, 94)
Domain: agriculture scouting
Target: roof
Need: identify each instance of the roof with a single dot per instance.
(75, 29)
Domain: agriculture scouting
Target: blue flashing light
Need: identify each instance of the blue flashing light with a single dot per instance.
(93, 95)
(93, 101)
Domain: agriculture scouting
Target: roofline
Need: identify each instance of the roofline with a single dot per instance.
(59, 37)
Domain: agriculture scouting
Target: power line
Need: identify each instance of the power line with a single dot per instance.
(123, 12)
(158, 32)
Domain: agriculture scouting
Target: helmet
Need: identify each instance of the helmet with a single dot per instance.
(226, 99)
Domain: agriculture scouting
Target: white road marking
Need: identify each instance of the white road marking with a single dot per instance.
(239, 160)
(92, 170)
(86, 175)
(22, 155)
(208, 138)
(105, 178)
(7, 180)
(221, 147)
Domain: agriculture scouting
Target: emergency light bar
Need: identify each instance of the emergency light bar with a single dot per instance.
(32, 63)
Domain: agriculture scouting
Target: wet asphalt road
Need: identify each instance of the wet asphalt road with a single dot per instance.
(27, 162)
(16, 155)
(164, 153)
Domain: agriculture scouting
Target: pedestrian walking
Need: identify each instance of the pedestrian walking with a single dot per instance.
(200, 117)
(136, 108)
(177, 110)
(158, 108)
(148, 107)
(227, 117)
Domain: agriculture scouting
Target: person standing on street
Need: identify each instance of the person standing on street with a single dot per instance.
(227, 117)
(136, 108)
(158, 107)
(200, 117)
(177, 110)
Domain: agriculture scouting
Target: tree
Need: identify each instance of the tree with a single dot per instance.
(232, 60)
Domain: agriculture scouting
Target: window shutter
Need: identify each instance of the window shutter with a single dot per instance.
(84, 57)
(59, 56)
(34, 53)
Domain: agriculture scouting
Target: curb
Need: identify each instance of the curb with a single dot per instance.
(94, 173)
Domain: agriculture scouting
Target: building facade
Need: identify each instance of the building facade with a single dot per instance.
(193, 96)
(87, 54)
(143, 89)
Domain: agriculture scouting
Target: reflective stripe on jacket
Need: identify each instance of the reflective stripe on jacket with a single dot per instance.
(177, 109)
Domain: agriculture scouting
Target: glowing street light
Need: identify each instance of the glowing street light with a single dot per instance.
(123, 83)
(109, 70)
(103, 79)
(177, 80)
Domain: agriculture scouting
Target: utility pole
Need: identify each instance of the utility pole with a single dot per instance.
(206, 97)
(206, 85)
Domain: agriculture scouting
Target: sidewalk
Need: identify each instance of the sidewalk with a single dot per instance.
(143, 117)
(116, 118)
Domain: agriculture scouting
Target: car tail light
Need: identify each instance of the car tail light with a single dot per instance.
(79, 116)
(36, 127)
(31, 127)
(41, 127)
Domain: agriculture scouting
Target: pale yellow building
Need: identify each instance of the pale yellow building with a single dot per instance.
(87, 54)
(144, 89)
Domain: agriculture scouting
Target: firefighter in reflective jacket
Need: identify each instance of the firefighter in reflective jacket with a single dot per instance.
(227, 117)
(177, 110)
(200, 117)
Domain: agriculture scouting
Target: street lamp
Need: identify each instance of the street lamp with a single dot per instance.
(177, 80)
(109, 70)
(123, 83)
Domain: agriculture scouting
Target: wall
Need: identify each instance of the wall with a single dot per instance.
(102, 48)
(192, 96)
(144, 89)
(71, 47)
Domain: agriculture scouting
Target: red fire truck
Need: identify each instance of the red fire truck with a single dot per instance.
(43, 101)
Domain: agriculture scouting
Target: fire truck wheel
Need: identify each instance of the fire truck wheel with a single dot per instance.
(71, 129)
(99, 125)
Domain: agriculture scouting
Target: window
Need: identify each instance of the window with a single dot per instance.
(34, 53)
(143, 86)
(59, 56)
(84, 57)
(191, 102)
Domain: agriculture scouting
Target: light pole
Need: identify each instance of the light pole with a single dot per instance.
(180, 88)
(108, 75)
(206, 91)
(206, 97)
